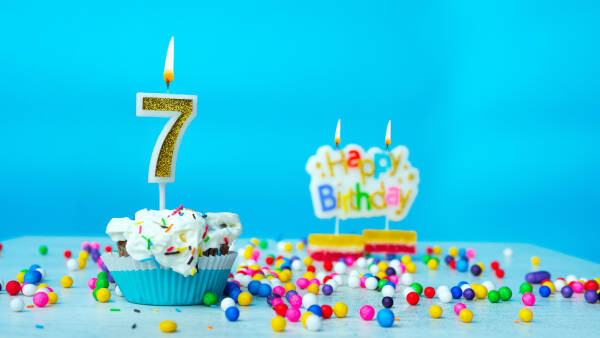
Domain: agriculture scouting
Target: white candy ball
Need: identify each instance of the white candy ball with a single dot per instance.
(353, 273)
(571, 278)
(370, 260)
(333, 283)
(17, 304)
(42, 271)
(406, 279)
(387, 291)
(489, 285)
(371, 283)
(361, 262)
(465, 286)
(275, 282)
(44, 290)
(281, 246)
(394, 263)
(442, 289)
(373, 269)
(72, 264)
(308, 300)
(338, 279)
(340, 268)
(445, 297)
(321, 275)
(313, 323)
(407, 290)
(226, 303)
(507, 252)
(245, 280)
(118, 291)
(28, 290)
(353, 282)
(297, 265)
(559, 284)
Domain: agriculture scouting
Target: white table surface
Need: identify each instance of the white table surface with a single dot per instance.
(77, 314)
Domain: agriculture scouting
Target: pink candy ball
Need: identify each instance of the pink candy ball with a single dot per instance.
(470, 253)
(367, 312)
(49, 289)
(394, 279)
(295, 301)
(315, 281)
(293, 314)
(458, 307)
(255, 254)
(276, 301)
(302, 283)
(85, 245)
(280, 290)
(362, 281)
(349, 260)
(577, 287)
(528, 299)
(40, 299)
(402, 269)
(92, 282)
(95, 245)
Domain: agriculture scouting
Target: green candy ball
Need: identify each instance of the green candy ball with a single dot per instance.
(505, 293)
(102, 283)
(102, 275)
(381, 284)
(43, 249)
(425, 258)
(493, 296)
(417, 287)
(263, 244)
(209, 299)
(525, 287)
(94, 292)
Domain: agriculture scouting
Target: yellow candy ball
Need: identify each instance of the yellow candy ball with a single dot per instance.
(308, 261)
(42, 285)
(247, 255)
(481, 266)
(535, 260)
(432, 264)
(453, 252)
(313, 288)
(406, 259)
(278, 323)
(309, 275)
(258, 276)
(278, 263)
(437, 249)
(381, 275)
(245, 298)
(479, 290)
(304, 316)
(550, 285)
(300, 246)
(254, 241)
(289, 286)
(435, 311)
(103, 295)
(52, 297)
(82, 263)
(411, 267)
(382, 266)
(288, 247)
(465, 315)
(525, 315)
(84, 255)
(340, 310)
(167, 326)
(66, 282)
(20, 277)
(254, 267)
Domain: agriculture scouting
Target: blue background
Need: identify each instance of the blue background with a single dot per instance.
(497, 102)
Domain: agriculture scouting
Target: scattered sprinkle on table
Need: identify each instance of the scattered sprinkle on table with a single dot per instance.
(30, 306)
(134, 326)
(209, 327)
(38, 326)
(136, 310)
(115, 309)
(177, 310)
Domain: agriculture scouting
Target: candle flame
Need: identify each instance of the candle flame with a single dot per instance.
(388, 134)
(337, 134)
(169, 74)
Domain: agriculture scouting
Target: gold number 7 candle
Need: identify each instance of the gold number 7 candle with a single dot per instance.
(181, 110)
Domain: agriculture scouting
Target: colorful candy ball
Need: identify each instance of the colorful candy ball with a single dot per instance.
(326, 311)
(505, 293)
(40, 299)
(566, 291)
(244, 298)
(465, 315)
(435, 311)
(591, 296)
(367, 312)
(103, 295)
(226, 303)
(412, 298)
(278, 324)
(314, 323)
(458, 307)
(545, 291)
(385, 318)
(13, 287)
(528, 299)
(232, 313)
(167, 326)
(28, 289)
(66, 282)
(525, 315)
(340, 309)
(387, 302)
(293, 314)
(17, 304)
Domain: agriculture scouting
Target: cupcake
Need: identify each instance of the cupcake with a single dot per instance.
(172, 257)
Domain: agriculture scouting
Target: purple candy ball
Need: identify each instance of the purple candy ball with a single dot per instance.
(566, 291)
(591, 296)
(327, 289)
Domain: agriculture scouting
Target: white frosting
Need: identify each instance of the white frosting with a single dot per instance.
(159, 234)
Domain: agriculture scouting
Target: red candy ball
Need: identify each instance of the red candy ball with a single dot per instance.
(327, 311)
(67, 253)
(0, 246)
(311, 268)
(281, 309)
(326, 279)
(328, 266)
(453, 265)
(494, 265)
(108, 248)
(412, 298)
(429, 250)
(269, 260)
(429, 292)
(499, 273)
(591, 285)
(13, 287)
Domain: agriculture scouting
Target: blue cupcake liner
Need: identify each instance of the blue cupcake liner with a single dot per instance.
(150, 284)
